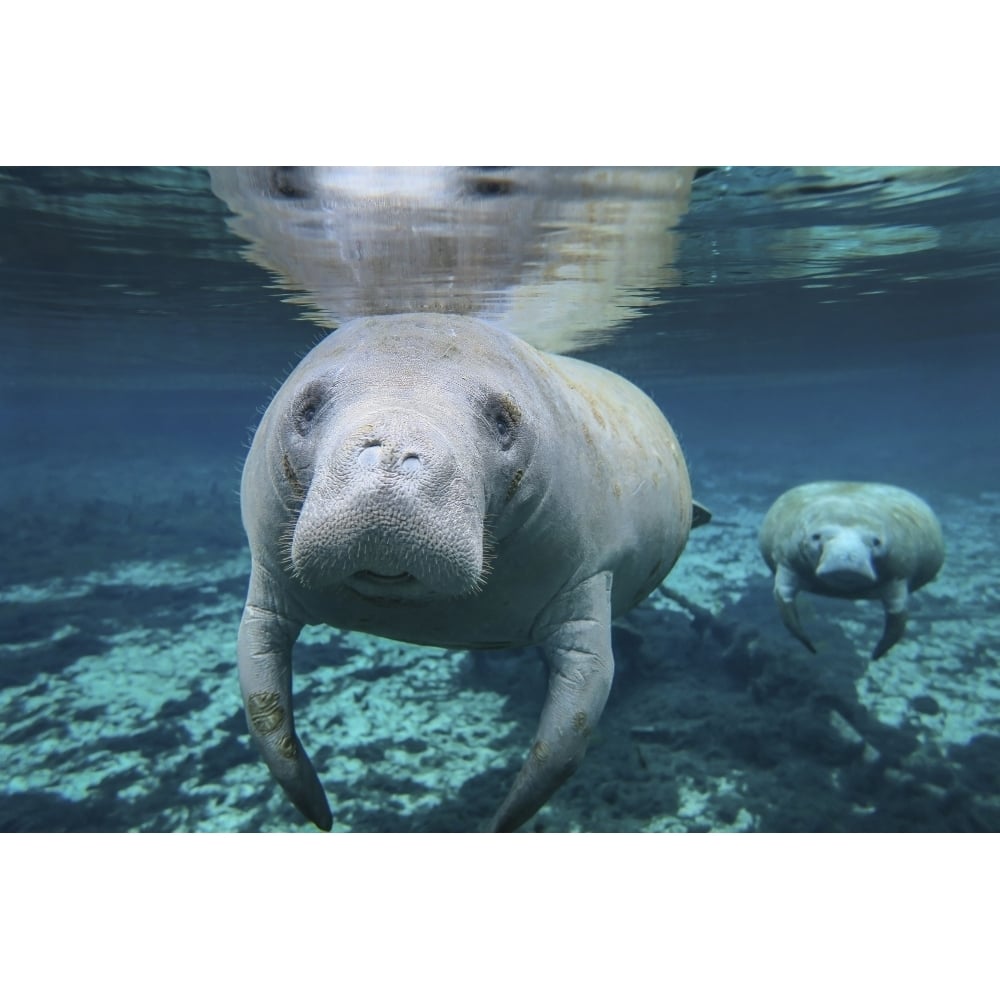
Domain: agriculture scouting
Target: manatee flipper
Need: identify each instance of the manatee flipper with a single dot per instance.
(264, 657)
(581, 668)
(699, 514)
(786, 587)
(895, 597)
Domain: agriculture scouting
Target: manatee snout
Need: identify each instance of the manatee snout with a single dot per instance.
(391, 507)
(846, 559)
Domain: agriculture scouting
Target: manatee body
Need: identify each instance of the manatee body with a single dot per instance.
(862, 541)
(433, 479)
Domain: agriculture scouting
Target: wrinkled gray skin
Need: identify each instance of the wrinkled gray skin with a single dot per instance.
(432, 479)
(862, 541)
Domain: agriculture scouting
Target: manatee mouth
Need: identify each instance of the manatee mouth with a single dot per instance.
(381, 586)
(847, 579)
(846, 572)
(367, 574)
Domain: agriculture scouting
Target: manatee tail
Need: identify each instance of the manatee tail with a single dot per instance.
(699, 514)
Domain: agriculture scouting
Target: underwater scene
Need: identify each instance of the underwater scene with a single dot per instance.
(834, 671)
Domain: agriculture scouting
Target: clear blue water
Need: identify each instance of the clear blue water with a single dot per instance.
(808, 325)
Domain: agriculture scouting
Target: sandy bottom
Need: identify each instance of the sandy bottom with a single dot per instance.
(119, 704)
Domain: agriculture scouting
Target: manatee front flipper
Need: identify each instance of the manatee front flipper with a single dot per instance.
(581, 668)
(264, 656)
(894, 597)
(786, 586)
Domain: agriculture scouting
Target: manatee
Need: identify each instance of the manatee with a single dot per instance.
(861, 541)
(434, 479)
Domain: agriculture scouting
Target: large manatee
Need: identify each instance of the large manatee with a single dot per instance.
(434, 479)
(855, 540)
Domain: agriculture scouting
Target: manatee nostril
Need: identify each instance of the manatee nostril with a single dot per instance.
(373, 454)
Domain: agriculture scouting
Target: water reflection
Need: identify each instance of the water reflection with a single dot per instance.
(826, 251)
(561, 256)
(136, 278)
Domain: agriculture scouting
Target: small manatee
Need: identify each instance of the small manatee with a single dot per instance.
(861, 541)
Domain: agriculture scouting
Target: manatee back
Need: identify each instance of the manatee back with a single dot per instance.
(624, 464)
(917, 550)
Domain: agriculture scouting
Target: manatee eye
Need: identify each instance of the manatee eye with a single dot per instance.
(491, 188)
(289, 182)
(876, 542)
(307, 405)
(815, 536)
(503, 415)
(489, 184)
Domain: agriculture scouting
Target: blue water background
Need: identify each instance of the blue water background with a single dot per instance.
(138, 348)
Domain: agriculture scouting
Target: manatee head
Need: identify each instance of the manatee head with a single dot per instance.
(397, 447)
(844, 556)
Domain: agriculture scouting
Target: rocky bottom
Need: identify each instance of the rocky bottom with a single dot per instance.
(120, 710)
